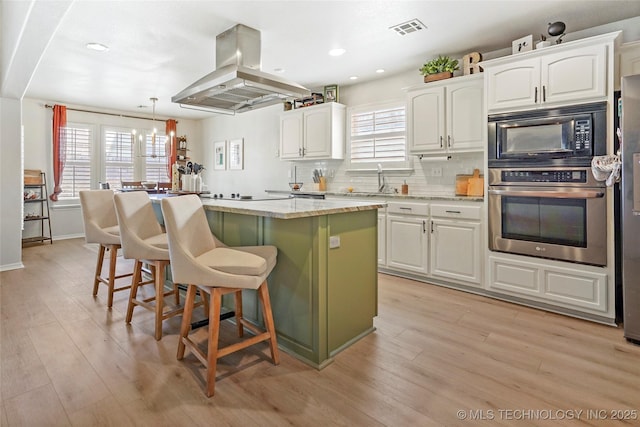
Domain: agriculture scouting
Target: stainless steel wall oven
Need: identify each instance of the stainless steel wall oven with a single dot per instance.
(548, 212)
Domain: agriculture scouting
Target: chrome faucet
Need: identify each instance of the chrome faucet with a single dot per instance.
(382, 180)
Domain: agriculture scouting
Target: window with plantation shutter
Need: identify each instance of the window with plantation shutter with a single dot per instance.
(76, 175)
(100, 153)
(119, 156)
(378, 134)
(156, 159)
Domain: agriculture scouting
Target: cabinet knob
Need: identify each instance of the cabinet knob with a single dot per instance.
(441, 146)
(449, 141)
(544, 93)
(535, 95)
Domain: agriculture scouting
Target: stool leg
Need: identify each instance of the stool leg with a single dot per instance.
(186, 318)
(205, 301)
(159, 283)
(112, 273)
(238, 310)
(214, 333)
(96, 279)
(176, 293)
(263, 293)
(135, 282)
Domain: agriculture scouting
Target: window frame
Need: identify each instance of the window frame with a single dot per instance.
(97, 150)
(406, 165)
(103, 154)
(93, 163)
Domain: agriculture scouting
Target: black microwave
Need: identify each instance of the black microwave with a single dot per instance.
(562, 136)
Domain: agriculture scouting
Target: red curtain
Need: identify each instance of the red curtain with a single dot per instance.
(170, 131)
(59, 148)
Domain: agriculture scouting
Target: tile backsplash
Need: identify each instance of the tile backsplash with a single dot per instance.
(423, 180)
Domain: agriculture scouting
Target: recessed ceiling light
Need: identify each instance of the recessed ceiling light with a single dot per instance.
(353, 77)
(97, 46)
(337, 52)
(379, 71)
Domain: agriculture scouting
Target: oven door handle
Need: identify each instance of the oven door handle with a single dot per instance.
(550, 194)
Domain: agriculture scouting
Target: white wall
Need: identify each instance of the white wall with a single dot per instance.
(262, 168)
(10, 184)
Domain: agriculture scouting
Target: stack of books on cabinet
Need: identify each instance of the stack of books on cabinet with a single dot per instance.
(36, 208)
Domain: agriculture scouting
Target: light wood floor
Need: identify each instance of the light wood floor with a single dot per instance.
(66, 360)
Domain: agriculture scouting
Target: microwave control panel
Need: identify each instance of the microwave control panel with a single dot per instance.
(582, 133)
(564, 176)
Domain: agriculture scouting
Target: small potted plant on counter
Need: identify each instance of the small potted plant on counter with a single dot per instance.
(439, 68)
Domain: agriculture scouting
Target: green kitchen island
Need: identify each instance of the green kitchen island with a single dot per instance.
(324, 287)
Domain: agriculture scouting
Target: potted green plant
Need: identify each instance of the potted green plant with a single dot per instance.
(439, 68)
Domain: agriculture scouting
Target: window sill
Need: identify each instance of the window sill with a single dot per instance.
(66, 204)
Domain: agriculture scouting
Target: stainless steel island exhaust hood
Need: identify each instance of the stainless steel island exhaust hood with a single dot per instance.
(237, 84)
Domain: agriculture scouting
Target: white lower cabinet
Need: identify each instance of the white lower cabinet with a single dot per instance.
(438, 240)
(407, 237)
(582, 288)
(455, 249)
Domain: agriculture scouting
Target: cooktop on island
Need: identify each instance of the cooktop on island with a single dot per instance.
(237, 196)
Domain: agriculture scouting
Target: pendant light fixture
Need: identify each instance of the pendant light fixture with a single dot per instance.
(154, 134)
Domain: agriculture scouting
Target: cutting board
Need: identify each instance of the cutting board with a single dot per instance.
(476, 184)
(462, 184)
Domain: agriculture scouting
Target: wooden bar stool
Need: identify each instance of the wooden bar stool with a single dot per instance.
(101, 227)
(203, 262)
(144, 241)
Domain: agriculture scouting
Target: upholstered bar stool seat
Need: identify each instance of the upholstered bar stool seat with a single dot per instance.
(143, 240)
(203, 262)
(101, 227)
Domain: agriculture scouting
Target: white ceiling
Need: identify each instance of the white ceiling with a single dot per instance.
(157, 48)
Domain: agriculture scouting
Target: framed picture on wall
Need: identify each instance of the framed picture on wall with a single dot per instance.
(236, 153)
(330, 93)
(220, 155)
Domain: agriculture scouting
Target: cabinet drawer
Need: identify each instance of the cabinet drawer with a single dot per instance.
(457, 211)
(421, 209)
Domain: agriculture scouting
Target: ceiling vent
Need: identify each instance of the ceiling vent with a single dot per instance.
(408, 27)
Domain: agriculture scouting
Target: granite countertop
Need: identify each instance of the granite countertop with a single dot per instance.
(387, 196)
(287, 208)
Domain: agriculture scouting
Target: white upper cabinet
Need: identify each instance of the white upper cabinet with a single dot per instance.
(577, 71)
(426, 120)
(316, 132)
(446, 116)
(465, 119)
(575, 74)
(629, 59)
(291, 135)
(513, 85)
